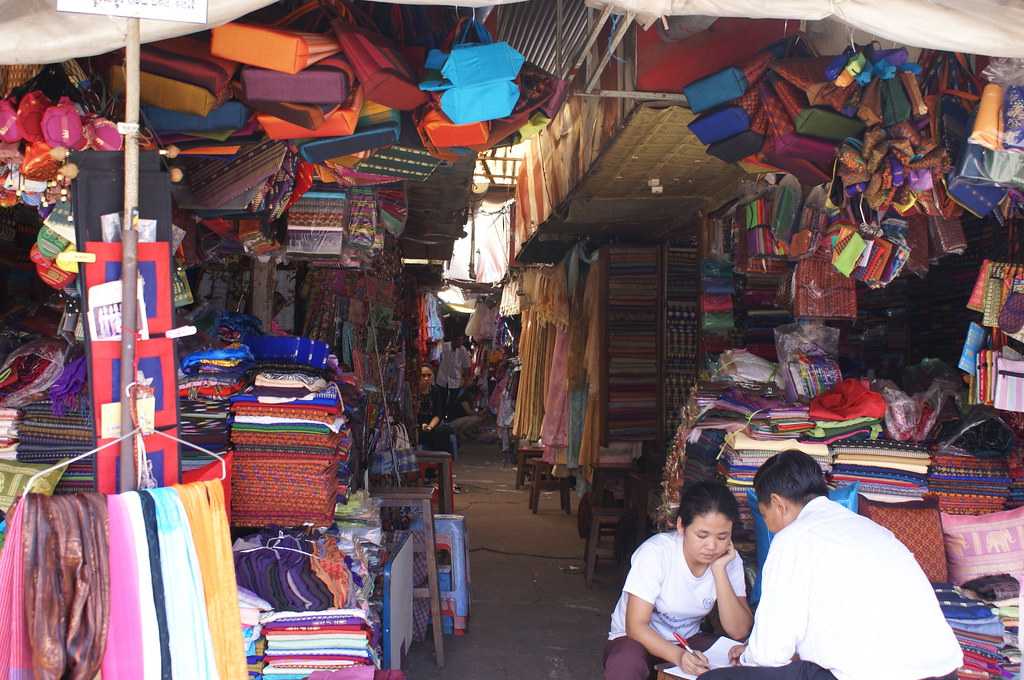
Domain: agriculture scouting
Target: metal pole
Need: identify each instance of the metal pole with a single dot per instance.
(129, 254)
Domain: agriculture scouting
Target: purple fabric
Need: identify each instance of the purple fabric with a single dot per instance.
(69, 385)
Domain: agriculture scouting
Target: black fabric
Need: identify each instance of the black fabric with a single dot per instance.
(149, 516)
(432, 404)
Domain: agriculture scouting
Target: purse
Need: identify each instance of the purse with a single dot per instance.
(716, 89)
(167, 93)
(363, 139)
(214, 182)
(821, 292)
(230, 116)
(276, 49)
(442, 132)
(829, 125)
(339, 123)
(188, 59)
(330, 81)
(308, 116)
(738, 147)
(715, 126)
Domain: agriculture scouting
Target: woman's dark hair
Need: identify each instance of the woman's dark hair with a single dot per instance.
(702, 498)
(791, 474)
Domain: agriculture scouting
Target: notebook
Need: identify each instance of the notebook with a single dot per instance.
(718, 657)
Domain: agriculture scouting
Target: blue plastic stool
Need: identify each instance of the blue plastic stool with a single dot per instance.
(451, 535)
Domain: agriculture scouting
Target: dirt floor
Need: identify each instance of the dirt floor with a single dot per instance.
(531, 615)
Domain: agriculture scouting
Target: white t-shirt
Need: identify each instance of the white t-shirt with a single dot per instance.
(453, 366)
(659, 575)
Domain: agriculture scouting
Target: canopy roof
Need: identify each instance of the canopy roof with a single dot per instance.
(991, 27)
(33, 32)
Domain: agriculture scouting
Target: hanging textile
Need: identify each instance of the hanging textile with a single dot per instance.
(124, 656)
(15, 652)
(593, 418)
(67, 598)
(555, 427)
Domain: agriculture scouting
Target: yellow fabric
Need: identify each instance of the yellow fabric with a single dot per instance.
(207, 517)
(593, 420)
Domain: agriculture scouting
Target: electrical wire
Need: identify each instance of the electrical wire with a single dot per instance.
(521, 554)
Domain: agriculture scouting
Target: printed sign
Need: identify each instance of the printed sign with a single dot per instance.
(188, 11)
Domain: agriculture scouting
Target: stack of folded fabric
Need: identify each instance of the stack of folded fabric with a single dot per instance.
(216, 372)
(1016, 466)
(717, 290)
(287, 434)
(9, 432)
(203, 422)
(48, 438)
(1002, 592)
(966, 485)
(980, 633)
(206, 380)
(252, 607)
(782, 422)
(302, 643)
(887, 470)
(848, 411)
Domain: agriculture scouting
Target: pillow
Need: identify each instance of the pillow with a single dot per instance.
(984, 545)
(846, 496)
(14, 476)
(918, 526)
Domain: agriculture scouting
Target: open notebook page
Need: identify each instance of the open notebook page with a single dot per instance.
(718, 657)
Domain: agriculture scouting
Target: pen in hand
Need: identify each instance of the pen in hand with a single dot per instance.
(686, 646)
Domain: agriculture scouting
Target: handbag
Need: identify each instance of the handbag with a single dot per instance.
(947, 236)
(308, 116)
(738, 147)
(277, 49)
(825, 124)
(442, 132)
(169, 93)
(214, 182)
(363, 139)
(716, 126)
(229, 116)
(188, 59)
(805, 157)
(821, 292)
(378, 64)
(1010, 383)
(338, 123)
(716, 89)
(330, 81)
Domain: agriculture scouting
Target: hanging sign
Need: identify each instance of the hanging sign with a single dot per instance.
(188, 11)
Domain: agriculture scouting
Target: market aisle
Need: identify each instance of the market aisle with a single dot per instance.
(529, 618)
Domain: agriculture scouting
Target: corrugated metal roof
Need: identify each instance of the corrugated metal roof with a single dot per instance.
(549, 33)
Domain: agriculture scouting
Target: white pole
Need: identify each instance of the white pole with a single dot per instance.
(129, 244)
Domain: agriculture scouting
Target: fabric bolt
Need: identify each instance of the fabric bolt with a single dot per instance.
(149, 629)
(157, 579)
(67, 598)
(123, 658)
(203, 503)
(187, 623)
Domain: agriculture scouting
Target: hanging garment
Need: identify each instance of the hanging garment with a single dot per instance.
(149, 628)
(123, 658)
(190, 640)
(204, 505)
(15, 651)
(157, 580)
(67, 598)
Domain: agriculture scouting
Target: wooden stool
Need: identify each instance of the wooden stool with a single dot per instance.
(441, 462)
(604, 523)
(543, 480)
(524, 454)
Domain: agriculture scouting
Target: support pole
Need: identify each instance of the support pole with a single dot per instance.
(129, 253)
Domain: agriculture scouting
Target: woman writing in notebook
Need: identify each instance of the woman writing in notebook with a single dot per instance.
(674, 581)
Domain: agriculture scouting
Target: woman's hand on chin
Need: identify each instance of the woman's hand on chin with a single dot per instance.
(725, 558)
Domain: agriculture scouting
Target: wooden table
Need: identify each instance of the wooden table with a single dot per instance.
(444, 483)
(420, 497)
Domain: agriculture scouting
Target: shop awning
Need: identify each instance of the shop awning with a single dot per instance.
(991, 27)
(32, 32)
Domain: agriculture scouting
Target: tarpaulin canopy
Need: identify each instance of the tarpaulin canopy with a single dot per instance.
(991, 27)
(33, 32)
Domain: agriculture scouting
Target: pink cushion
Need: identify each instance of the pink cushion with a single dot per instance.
(984, 545)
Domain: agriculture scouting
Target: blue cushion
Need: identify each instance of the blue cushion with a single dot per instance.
(844, 495)
(716, 126)
(718, 88)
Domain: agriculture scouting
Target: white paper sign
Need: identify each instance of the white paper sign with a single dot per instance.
(188, 11)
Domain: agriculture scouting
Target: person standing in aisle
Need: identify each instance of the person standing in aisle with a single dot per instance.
(840, 592)
(453, 369)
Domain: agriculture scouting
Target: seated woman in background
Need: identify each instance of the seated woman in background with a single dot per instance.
(674, 581)
(434, 434)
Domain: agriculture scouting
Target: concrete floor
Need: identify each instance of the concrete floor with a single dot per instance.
(530, 616)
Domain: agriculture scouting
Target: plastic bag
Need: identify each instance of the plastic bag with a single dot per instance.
(902, 412)
(739, 365)
(37, 366)
(983, 433)
(999, 123)
(806, 354)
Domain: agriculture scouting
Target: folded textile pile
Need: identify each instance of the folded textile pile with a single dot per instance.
(716, 297)
(887, 470)
(702, 455)
(966, 485)
(206, 380)
(47, 438)
(289, 434)
(1016, 466)
(228, 362)
(849, 411)
(9, 418)
(1002, 592)
(252, 607)
(981, 635)
(301, 643)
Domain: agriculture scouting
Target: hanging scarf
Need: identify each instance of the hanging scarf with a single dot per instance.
(156, 574)
(123, 658)
(15, 652)
(190, 639)
(149, 628)
(67, 597)
(65, 392)
(204, 505)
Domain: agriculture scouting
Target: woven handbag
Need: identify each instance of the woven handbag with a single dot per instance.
(821, 292)
(947, 236)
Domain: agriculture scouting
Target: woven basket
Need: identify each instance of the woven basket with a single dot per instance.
(16, 75)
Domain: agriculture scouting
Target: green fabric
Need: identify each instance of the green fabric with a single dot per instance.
(51, 244)
(895, 104)
(848, 259)
(825, 429)
(14, 476)
(785, 212)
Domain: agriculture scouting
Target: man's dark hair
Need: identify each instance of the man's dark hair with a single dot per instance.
(791, 474)
(703, 498)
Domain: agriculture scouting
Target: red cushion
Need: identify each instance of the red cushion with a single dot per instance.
(918, 525)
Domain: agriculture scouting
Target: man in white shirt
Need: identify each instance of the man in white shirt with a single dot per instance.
(840, 593)
(451, 371)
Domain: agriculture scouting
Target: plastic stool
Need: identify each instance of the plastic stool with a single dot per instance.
(452, 535)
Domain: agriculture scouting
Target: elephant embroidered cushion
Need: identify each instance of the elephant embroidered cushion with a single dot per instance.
(916, 525)
(985, 545)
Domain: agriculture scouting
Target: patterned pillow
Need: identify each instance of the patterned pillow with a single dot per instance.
(918, 526)
(14, 477)
(984, 545)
